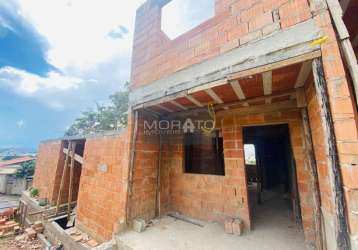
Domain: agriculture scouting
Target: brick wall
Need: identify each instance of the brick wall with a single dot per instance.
(46, 172)
(143, 197)
(235, 23)
(102, 193)
(343, 108)
(215, 198)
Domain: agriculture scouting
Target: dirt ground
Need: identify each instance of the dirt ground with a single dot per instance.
(9, 243)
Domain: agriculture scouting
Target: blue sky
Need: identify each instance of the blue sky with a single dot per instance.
(59, 57)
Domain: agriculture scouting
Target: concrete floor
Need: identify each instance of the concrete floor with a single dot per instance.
(273, 229)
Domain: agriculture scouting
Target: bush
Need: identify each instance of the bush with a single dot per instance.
(34, 192)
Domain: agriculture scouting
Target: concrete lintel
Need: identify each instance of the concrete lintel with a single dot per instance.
(276, 47)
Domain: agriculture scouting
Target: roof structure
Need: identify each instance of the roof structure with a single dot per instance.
(16, 161)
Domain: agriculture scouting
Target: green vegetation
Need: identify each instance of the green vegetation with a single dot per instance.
(34, 192)
(104, 117)
(27, 169)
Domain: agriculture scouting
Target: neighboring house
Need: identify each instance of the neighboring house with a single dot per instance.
(278, 74)
(9, 183)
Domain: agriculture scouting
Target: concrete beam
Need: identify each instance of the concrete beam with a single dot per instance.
(178, 105)
(305, 70)
(235, 84)
(283, 45)
(213, 95)
(193, 100)
(267, 82)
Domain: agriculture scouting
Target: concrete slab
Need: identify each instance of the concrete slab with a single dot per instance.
(273, 230)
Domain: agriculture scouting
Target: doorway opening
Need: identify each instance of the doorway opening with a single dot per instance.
(271, 176)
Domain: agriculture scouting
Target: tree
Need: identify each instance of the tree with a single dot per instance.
(27, 169)
(104, 117)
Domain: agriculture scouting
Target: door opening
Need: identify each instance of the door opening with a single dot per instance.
(271, 175)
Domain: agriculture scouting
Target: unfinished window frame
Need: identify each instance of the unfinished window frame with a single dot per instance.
(219, 166)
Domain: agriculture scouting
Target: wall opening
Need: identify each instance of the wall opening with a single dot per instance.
(272, 180)
(204, 153)
(180, 16)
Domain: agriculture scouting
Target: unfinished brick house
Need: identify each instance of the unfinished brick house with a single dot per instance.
(279, 75)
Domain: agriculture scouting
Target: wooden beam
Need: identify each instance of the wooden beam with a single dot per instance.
(213, 95)
(62, 183)
(312, 166)
(340, 224)
(305, 70)
(78, 158)
(267, 82)
(131, 165)
(70, 187)
(301, 98)
(235, 84)
(193, 100)
(178, 105)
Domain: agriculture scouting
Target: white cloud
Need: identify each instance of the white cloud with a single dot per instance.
(25, 83)
(20, 123)
(77, 31)
(180, 16)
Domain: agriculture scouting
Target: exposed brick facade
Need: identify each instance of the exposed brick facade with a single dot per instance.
(47, 169)
(102, 197)
(102, 193)
(235, 23)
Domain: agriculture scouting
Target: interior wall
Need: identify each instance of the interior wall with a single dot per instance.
(216, 198)
(102, 192)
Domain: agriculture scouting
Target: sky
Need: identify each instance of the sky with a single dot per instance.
(59, 57)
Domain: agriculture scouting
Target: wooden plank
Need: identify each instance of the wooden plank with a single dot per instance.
(193, 100)
(351, 61)
(301, 98)
(312, 165)
(78, 158)
(337, 14)
(340, 224)
(267, 82)
(213, 95)
(235, 84)
(70, 187)
(131, 165)
(62, 183)
(305, 70)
